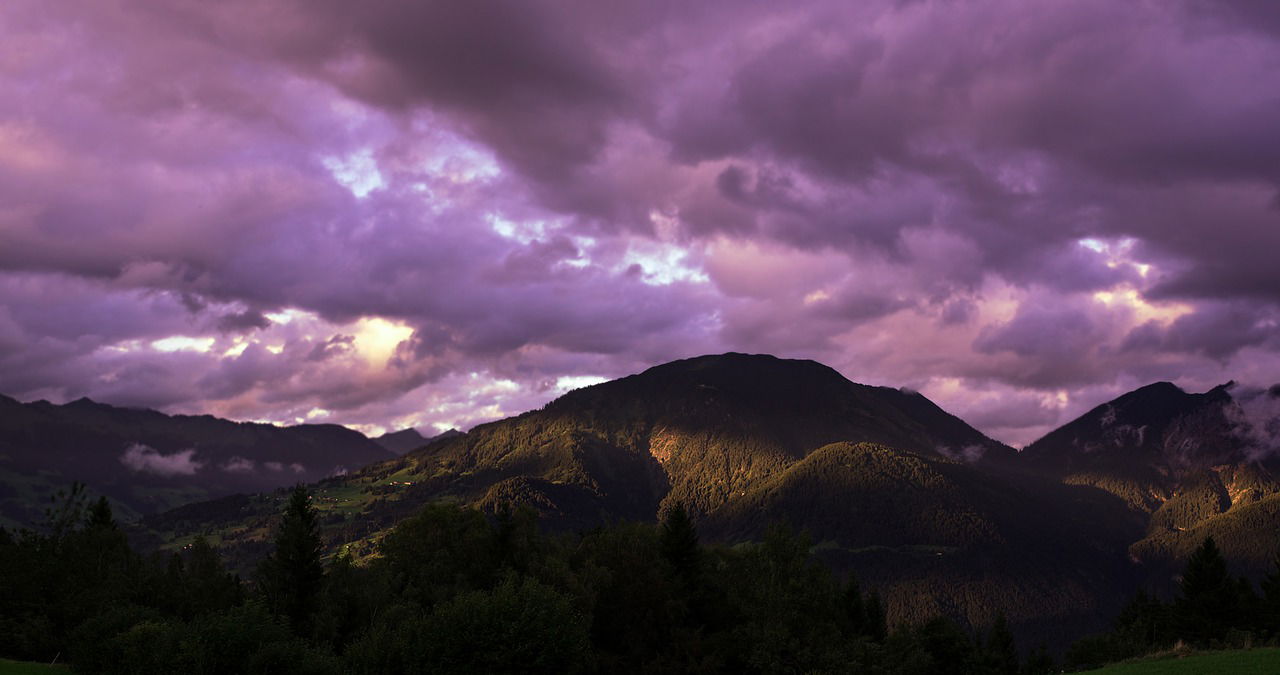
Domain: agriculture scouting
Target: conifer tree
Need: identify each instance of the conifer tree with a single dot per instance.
(1039, 662)
(1209, 599)
(290, 578)
(100, 516)
(854, 608)
(1270, 601)
(209, 585)
(679, 542)
(1001, 655)
(877, 624)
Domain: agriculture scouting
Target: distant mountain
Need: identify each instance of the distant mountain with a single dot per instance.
(400, 442)
(700, 431)
(1187, 466)
(886, 482)
(1144, 444)
(919, 504)
(148, 461)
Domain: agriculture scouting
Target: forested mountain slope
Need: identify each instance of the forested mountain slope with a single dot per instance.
(147, 461)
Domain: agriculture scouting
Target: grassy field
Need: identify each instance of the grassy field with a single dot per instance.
(1243, 662)
(8, 667)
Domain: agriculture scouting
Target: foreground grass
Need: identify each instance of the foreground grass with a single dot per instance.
(8, 667)
(1239, 662)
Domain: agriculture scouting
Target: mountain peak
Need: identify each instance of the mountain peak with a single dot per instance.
(1144, 441)
(400, 442)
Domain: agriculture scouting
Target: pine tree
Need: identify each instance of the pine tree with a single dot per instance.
(1000, 653)
(209, 586)
(1039, 662)
(290, 578)
(1209, 602)
(854, 608)
(877, 624)
(679, 543)
(1271, 597)
(100, 516)
(66, 512)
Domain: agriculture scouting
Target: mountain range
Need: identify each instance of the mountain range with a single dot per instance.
(146, 461)
(918, 503)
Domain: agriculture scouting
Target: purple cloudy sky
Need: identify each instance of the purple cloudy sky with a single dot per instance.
(393, 213)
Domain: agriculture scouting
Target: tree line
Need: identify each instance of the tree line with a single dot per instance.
(1212, 609)
(457, 590)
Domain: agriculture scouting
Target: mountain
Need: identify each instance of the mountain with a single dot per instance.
(1187, 466)
(400, 442)
(923, 507)
(1140, 445)
(147, 461)
(887, 484)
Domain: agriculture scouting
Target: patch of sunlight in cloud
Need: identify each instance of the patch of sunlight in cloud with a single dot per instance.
(1095, 245)
(370, 430)
(661, 264)
(566, 383)
(462, 163)
(1118, 252)
(237, 349)
(123, 347)
(1128, 297)
(816, 296)
(1055, 400)
(377, 338)
(358, 172)
(661, 260)
(178, 343)
(286, 316)
(525, 232)
(275, 349)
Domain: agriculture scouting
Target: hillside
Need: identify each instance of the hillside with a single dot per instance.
(918, 503)
(1189, 465)
(148, 461)
(1141, 445)
(878, 476)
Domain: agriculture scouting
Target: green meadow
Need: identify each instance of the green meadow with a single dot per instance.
(1238, 662)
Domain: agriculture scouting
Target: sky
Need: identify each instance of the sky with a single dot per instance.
(433, 214)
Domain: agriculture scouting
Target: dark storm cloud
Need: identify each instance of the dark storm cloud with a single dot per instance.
(1018, 197)
(1217, 330)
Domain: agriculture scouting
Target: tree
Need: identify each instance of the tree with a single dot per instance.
(443, 550)
(1271, 597)
(291, 577)
(208, 585)
(1039, 662)
(520, 626)
(66, 512)
(854, 608)
(1000, 654)
(1143, 620)
(100, 516)
(947, 645)
(679, 542)
(877, 624)
(1210, 600)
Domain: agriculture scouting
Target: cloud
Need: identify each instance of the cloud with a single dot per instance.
(238, 465)
(428, 213)
(1256, 416)
(144, 459)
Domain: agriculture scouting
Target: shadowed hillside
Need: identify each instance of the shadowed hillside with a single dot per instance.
(1189, 465)
(148, 461)
(877, 475)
